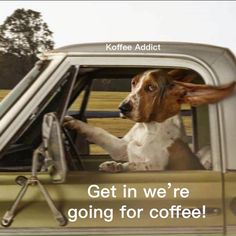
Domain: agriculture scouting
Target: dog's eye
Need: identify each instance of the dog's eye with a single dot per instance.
(150, 88)
(133, 83)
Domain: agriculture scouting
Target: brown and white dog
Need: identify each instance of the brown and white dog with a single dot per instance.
(156, 141)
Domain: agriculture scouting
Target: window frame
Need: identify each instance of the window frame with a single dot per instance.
(169, 61)
(181, 61)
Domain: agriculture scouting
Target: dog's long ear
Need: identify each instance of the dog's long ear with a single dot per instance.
(183, 75)
(199, 94)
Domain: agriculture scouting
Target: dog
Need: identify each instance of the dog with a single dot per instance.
(157, 140)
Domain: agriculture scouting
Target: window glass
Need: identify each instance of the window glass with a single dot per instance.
(21, 87)
(18, 153)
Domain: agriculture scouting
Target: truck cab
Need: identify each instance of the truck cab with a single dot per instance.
(88, 81)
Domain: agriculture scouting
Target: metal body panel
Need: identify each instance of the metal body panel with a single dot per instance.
(73, 194)
(225, 69)
(207, 53)
(230, 201)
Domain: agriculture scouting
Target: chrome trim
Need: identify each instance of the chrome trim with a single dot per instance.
(114, 231)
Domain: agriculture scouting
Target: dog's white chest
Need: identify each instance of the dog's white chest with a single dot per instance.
(153, 139)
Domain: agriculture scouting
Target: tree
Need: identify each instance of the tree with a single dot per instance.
(24, 33)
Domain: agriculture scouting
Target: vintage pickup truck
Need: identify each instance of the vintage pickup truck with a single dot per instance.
(63, 82)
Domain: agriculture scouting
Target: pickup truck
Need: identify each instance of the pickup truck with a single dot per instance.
(88, 81)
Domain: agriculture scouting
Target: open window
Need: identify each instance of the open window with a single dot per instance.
(98, 105)
(17, 155)
(94, 96)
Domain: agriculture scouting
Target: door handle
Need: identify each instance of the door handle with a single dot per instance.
(209, 211)
(213, 211)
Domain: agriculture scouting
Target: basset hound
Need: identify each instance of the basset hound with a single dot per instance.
(157, 140)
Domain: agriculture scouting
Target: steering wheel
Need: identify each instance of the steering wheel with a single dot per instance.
(74, 163)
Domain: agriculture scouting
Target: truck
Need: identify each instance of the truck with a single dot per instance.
(87, 81)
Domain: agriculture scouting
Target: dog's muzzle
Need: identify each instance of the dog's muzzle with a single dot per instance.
(125, 108)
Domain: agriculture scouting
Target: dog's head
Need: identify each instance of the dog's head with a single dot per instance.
(158, 94)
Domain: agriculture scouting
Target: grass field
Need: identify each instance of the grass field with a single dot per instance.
(100, 100)
(3, 93)
(108, 101)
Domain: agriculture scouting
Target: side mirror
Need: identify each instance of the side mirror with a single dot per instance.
(53, 146)
(52, 150)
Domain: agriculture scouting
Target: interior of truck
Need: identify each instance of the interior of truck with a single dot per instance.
(92, 94)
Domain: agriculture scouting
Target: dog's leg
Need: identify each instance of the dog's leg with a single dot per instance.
(115, 167)
(117, 148)
(205, 157)
(139, 160)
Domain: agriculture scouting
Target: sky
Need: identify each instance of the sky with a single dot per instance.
(81, 22)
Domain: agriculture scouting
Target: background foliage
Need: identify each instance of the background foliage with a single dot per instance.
(23, 35)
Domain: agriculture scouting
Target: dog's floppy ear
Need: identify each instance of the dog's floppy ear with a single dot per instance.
(199, 94)
(183, 75)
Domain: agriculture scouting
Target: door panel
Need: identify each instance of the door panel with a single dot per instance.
(205, 189)
(230, 201)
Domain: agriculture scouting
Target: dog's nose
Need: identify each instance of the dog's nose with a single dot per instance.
(125, 107)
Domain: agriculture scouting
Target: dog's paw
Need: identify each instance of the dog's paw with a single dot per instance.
(71, 123)
(111, 166)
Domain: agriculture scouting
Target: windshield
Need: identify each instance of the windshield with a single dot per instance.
(28, 80)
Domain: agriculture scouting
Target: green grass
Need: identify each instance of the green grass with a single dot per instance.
(100, 100)
(3, 93)
(109, 101)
